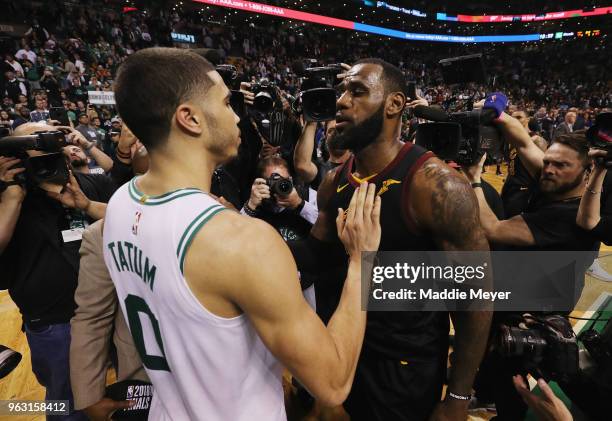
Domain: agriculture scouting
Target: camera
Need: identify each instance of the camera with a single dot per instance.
(462, 137)
(548, 347)
(600, 135)
(50, 167)
(266, 99)
(229, 74)
(318, 95)
(279, 186)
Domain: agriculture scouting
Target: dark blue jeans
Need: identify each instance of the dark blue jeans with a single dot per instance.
(50, 350)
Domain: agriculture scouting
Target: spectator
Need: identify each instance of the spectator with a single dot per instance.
(26, 53)
(40, 113)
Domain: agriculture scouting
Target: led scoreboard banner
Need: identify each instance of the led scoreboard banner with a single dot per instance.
(530, 17)
(284, 13)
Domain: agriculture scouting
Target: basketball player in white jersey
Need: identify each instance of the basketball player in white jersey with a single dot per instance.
(212, 298)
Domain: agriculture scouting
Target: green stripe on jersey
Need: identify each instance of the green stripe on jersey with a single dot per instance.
(193, 229)
(144, 199)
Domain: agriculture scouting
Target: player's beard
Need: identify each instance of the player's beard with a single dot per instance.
(359, 136)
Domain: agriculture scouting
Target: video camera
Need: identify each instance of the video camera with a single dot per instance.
(463, 136)
(317, 99)
(600, 136)
(50, 167)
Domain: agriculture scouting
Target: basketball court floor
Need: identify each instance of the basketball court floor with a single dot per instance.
(21, 383)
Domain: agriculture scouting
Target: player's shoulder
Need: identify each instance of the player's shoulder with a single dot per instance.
(435, 174)
(235, 233)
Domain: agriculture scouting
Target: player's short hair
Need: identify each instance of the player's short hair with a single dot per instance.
(152, 83)
(393, 78)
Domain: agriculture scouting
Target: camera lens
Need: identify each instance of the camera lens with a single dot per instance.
(263, 102)
(285, 187)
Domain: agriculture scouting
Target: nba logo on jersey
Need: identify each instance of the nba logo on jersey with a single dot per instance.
(130, 392)
(136, 222)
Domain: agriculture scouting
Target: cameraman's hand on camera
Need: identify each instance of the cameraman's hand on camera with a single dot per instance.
(7, 174)
(249, 97)
(473, 173)
(359, 227)
(75, 137)
(72, 196)
(268, 150)
(418, 101)
(259, 191)
(547, 407)
(291, 201)
(346, 68)
(599, 158)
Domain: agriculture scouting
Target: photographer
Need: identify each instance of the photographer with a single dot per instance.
(314, 172)
(39, 257)
(548, 223)
(289, 212)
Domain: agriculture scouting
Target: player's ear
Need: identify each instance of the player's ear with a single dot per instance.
(395, 103)
(189, 119)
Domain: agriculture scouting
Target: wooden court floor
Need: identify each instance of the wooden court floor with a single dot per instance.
(21, 383)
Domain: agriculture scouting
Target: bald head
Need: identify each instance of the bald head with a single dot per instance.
(570, 117)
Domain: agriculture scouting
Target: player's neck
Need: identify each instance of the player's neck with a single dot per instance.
(167, 174)
(375, 157)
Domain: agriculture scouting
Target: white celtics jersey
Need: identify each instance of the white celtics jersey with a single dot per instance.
(202, 366)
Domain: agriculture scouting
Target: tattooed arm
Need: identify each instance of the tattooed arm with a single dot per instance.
(443, 203)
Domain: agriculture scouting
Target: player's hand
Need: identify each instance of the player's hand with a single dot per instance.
(103, 409)
(259, 191)
(450, 410)
(547, 407)
(359, 227)
(8, 171)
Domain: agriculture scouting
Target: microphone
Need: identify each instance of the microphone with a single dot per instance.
(431, 113)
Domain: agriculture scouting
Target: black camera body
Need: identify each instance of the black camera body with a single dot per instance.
(318, 95)
(279, 185)
(50, 167)
(462, 137)
(266, 98)
(600, 135)
(548, 347)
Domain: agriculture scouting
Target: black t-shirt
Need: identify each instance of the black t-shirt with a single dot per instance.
(553, 225)
(39, 269)
(603, 230)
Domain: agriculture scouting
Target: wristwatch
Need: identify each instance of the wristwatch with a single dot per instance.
(476, 185)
